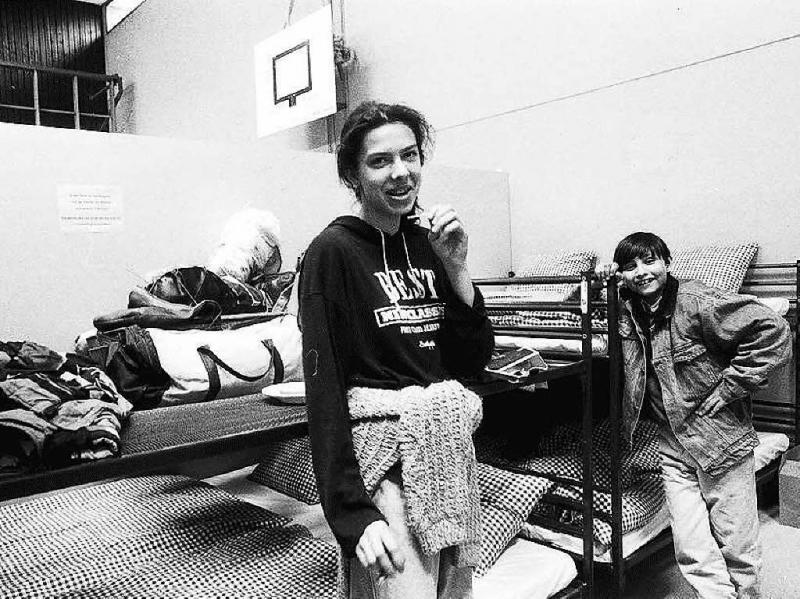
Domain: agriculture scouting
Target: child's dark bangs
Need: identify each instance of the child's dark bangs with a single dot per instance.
(642, 246)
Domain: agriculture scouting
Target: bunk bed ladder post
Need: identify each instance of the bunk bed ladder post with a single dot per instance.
(76, 103)
(615, 432)
(586, 379)
(37, 115)
(796, 357)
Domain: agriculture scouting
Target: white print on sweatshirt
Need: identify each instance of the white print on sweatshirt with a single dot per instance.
(415, 283)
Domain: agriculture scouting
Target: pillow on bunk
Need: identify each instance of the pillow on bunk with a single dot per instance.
(722, 266)
(506, 501)
(558, 264)
(286, 468)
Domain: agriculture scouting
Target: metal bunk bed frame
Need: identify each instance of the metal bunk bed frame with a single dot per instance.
(560, 366)
(769, 415)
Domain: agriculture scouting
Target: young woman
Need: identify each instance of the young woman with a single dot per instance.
(390, 317)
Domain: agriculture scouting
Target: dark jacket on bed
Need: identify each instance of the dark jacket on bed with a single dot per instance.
(376, 310)
(704, 341)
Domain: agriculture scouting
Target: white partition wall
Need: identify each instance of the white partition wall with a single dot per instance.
(176, 196)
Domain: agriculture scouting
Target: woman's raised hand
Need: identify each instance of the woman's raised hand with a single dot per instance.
(447, 236)
(379, 551)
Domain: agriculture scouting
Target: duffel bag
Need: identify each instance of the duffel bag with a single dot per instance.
(205, 365)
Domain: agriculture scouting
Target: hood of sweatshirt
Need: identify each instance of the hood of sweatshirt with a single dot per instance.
(377, 237)
(366, 231)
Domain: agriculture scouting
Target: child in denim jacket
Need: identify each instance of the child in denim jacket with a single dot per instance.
(692, 354)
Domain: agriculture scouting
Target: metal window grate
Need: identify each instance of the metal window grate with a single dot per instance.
(93, 96)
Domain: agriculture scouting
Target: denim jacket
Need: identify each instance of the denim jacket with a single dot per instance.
(704, 341)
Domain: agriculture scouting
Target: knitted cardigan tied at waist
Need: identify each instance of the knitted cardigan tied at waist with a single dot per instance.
(429, 431)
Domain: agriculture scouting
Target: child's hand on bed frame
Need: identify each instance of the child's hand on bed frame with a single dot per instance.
(605, 270)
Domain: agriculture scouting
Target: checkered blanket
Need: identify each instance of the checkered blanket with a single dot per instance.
(640, 502)
(558, 457)
(158, 536)
(544, 318)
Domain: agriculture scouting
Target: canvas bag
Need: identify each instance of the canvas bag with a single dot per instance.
(206, 365)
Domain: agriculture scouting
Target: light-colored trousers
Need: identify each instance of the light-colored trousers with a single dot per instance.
(425, 576)
(714, 523)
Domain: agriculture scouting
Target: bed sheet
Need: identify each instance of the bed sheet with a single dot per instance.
(236, 483)
(526, 570)
(553, 344)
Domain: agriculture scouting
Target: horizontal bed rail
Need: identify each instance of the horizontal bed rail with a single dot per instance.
(537, 280)
(200, 439)
(544, 332)
(531, 306)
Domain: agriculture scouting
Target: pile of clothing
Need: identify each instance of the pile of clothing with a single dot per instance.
(54, 409)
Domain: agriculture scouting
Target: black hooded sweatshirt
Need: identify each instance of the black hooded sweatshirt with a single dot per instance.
(376, 310)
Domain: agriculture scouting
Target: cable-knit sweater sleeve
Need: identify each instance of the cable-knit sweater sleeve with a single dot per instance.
(327, 346)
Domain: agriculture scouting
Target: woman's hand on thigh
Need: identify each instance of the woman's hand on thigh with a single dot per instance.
(378, 550)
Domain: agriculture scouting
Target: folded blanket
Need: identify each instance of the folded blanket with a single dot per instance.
(544, 318)
(641, 501)
(558, 456)
(429, 429)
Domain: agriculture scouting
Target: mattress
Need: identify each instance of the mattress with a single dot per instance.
(526, 570)
(158, 536)
(554, 344)
(771, 445)
(187, 424)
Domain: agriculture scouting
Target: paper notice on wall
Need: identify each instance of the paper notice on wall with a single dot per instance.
(295, 80)
(90, 208)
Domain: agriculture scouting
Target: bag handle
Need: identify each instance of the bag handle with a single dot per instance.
(211, 361)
